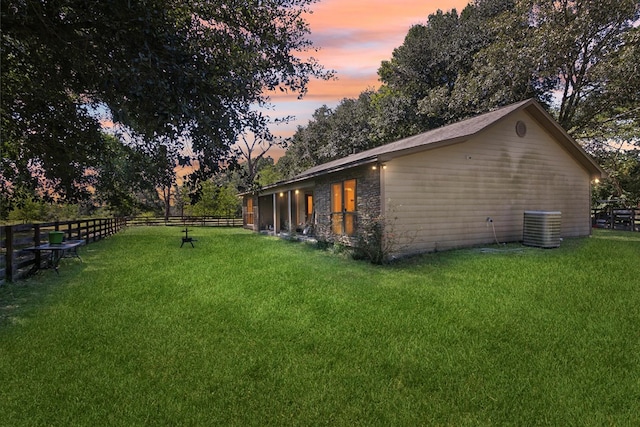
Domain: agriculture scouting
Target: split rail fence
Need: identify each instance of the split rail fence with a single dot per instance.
(192, 221)
(15, 262)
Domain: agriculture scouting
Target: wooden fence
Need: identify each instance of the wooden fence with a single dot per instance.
(616, 219)
(201, 221)
(16, 262)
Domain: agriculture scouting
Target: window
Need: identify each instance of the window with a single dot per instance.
(343, 207)
(249, 212)
(309, 209)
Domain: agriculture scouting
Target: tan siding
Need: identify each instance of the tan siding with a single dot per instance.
(443, 197)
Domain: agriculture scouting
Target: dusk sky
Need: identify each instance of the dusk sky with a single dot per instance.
(354, 37)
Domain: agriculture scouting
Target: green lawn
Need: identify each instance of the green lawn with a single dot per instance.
(250, 330)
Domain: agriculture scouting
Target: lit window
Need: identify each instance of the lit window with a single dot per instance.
(343, 207)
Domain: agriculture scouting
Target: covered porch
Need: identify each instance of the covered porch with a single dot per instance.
(281, 210)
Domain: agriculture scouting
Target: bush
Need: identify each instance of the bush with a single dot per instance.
(377, 240)
(370, 240)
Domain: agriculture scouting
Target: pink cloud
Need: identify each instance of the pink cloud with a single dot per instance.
(354, 37)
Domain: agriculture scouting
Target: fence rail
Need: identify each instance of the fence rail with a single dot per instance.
(202, 221)
(616, 219)
(15, 262)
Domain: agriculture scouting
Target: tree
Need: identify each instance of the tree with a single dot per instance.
(159, 69)
(580, 55)
(227, 202)
(215, 200)
(583, 53)
(119, 177)
(580, 38)
(332, 134)
(206, 203)
(304, 147)
(424, 81)
(396, 116)
(623, 180)
(162, 172)
(182, 198)
(503, 70)
(269, 174)
(351, 127)
(251, 151)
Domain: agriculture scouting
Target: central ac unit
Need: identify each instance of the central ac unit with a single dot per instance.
(542, 229)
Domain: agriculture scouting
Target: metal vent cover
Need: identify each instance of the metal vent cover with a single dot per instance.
(542, 229)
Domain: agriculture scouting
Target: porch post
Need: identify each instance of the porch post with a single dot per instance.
(275, 211)
(289, 209)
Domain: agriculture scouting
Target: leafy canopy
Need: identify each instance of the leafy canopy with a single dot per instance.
(164, 72)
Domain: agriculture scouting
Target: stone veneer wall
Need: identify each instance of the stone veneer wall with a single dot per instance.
(367, 199)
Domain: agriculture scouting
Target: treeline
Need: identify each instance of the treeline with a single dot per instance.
(579, 59)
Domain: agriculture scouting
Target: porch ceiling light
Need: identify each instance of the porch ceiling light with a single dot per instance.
(281, 194)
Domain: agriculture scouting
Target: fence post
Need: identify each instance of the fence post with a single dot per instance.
(8, 260)
(36, 242)
(612, 219)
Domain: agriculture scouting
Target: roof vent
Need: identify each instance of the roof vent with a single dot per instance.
(542, 229)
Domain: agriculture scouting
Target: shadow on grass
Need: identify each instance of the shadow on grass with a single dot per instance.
(19, 299)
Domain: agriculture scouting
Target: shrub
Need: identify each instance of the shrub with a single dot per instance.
(371, 243)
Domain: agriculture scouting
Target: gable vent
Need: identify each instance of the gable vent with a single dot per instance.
(542, 229)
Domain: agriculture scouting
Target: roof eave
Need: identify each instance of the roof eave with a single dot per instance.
(278, 186)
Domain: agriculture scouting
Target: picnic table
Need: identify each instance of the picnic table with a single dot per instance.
(56, 251)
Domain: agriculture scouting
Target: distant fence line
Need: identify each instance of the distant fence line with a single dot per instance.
(627, 219)
(15, 262)
(200, 221)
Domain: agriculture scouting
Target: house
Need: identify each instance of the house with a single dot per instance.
(465, 184)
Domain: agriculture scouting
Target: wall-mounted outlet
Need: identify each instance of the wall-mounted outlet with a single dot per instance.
(489, 219)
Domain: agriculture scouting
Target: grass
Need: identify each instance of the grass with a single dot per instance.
(250, 330)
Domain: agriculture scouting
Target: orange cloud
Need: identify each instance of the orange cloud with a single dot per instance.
(354, 37)
(376, 13)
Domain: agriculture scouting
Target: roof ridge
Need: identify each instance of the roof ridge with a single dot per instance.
(461, 129)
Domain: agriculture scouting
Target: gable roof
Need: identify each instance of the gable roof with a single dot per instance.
(452, 134)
